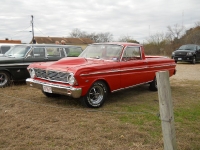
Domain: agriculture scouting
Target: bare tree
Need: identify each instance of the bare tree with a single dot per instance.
(76, 33)
(197, 23)
(156, 38)
(96, 37)
(158, 44)
(104, 37)
(192, 35)
(127, 39)
(176, 31)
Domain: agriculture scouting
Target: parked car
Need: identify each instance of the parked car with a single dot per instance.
(100, 69)
(188, 53)
(4, 47)
(14, 63)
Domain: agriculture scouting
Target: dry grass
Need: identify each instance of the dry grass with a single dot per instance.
(128, 120)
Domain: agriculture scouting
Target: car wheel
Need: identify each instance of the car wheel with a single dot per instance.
(50, 94)
(194, 60)
(4, 79)
(153, 85)
(96, 95)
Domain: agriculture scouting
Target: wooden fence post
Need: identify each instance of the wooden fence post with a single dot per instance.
(166, 110)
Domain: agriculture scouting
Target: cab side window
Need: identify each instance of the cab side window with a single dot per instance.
(4, 49)
(131, 53)
(39, 52)
(198, 48)
(73, 51)
(54, 52)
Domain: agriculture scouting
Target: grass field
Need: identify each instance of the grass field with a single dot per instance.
(128, 120)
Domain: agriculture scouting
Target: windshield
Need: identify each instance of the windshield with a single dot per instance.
(17, 51)
(106, 52)
(188, 47)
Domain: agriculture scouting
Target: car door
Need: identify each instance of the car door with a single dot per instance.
(36, 54)
(132, 66)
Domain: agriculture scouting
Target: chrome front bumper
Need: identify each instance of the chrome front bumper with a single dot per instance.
(56, 88)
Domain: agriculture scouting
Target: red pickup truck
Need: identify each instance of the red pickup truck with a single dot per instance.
(100, 69)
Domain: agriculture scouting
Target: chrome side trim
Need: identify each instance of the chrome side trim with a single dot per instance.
(131, 86)
(113, 71)
(17, 64)
(166, 65)
(56, 88)
(129, 69)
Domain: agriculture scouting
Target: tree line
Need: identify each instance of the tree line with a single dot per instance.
(156, 44)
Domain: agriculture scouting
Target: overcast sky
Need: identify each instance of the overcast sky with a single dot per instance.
(135, 18)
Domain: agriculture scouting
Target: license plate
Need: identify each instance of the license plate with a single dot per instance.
(47, 89)
(179, 58)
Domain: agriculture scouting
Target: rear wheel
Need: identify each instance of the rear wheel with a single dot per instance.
(4, 79)
(153, 85)
(96, 95)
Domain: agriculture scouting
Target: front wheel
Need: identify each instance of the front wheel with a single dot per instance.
(194, 60)
(153, 85)
(96, 95)
(4, 79)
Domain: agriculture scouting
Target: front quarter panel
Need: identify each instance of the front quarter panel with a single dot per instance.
(108, 72)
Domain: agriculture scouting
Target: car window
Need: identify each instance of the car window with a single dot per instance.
(39, 52)
(106, 52)
(131, 53)
(188, 47)
(4, 49)
(198, 48)
(73, 51)
(54, 52)
(17, 51)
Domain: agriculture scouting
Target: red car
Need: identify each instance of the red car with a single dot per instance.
(100, 69)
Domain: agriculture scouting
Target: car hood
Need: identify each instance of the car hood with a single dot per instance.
(76, 64)
(180, 50)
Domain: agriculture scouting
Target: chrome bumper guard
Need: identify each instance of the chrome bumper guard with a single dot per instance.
(56, 88)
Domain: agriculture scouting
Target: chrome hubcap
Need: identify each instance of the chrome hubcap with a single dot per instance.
(95, 95)
(3, 79)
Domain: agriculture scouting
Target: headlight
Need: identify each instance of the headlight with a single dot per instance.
(32, 72)
(173, 53)
(71, 79)
(189, 54)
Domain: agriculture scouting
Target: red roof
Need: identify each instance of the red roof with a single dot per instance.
(11, 41)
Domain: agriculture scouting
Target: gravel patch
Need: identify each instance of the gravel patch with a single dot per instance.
(187, 71)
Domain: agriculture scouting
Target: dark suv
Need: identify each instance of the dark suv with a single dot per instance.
(188, 53)
(14, 63)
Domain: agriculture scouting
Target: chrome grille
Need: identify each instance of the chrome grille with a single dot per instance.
(40, 73)
(52, 75)
(57, 76)
(180, 53)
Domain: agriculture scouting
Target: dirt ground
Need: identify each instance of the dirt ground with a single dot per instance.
(29, 120)
(187, 71)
